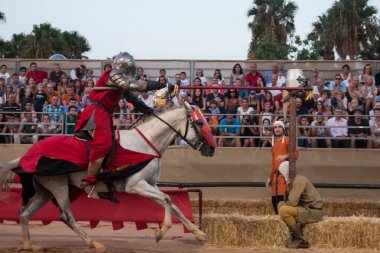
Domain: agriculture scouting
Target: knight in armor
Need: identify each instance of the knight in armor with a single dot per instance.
(94, 123)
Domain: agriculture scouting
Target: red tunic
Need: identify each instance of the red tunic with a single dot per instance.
(278, 184)
(102, 139)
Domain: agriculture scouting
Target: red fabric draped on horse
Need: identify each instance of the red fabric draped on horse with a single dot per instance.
(72, 150)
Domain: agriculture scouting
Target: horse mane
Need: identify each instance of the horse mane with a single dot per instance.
(158, 113)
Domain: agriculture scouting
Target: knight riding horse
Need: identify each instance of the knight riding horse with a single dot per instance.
(139, 149)
(94, 124)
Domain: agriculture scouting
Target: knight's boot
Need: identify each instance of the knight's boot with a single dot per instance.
(297, 241)
(88, 185)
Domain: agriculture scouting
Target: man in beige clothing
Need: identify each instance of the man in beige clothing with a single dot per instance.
(303, 205)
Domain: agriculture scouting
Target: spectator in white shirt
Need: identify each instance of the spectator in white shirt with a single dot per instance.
(338, 129)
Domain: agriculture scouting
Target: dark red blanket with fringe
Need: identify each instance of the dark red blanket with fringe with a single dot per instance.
(70, 149)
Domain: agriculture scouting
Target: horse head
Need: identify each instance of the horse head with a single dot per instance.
(200, 138)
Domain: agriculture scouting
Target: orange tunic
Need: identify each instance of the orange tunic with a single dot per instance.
(277, 181)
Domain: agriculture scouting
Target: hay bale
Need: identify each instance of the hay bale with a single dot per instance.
(332, 207)
(345, 232)
(244, 231)
(240, 206)
(270, 231)
(355, 207)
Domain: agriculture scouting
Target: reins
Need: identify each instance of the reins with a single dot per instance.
(188, 122)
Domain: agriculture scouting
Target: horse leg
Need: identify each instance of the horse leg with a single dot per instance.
(199, 234)
(58, 186)
(144, 189)
(41, 197)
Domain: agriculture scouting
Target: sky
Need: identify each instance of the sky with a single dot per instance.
(153, 29)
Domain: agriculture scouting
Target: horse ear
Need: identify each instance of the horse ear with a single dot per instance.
(188, 107)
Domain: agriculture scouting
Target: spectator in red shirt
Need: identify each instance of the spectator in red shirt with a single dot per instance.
(253, 76)
(36, 74)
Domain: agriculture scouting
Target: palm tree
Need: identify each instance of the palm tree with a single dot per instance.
(75, 45)
(2, 17)
(273, 23)
(348, 27)
(320, 35)
(44, 37)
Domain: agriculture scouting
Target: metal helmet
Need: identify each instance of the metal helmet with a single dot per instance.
(295, 78)
(125, 63)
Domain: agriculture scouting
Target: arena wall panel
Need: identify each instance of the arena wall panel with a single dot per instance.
(181, 164)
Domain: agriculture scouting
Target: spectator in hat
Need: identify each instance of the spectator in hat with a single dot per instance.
(253, 101)
(359, 131)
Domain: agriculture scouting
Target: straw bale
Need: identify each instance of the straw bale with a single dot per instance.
(345, 232)
(243, 207)
(270, 231)
(244, 231)
(332, 207)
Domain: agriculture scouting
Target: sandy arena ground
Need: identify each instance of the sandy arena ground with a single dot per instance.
(57, 238)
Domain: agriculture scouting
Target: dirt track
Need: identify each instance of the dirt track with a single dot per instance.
(57, 238)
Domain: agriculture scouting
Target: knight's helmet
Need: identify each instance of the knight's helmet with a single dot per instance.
(125, 63)
(295, 78)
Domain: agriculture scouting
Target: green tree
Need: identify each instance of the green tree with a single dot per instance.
(5, 49)
(273, 23)
(44, 41)
(22, 45)
(348, 27)
(75, 45)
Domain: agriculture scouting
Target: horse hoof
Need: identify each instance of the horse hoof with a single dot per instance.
(99, 248)
(158, 235)
(32, 248)
(201, 237)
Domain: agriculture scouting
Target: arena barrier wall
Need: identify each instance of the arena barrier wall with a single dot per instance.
(181, 164)
(132, 208)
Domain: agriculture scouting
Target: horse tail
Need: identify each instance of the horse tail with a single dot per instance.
(6, 172)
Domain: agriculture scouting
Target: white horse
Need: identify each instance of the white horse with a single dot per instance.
(153, 136)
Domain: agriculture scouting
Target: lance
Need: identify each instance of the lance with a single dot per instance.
(242, 88)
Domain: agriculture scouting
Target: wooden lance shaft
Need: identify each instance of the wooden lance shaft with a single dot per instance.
(292, 138)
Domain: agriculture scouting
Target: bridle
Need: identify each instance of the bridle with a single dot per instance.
(189, 123)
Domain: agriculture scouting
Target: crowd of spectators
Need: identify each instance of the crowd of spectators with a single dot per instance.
(343, 112)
